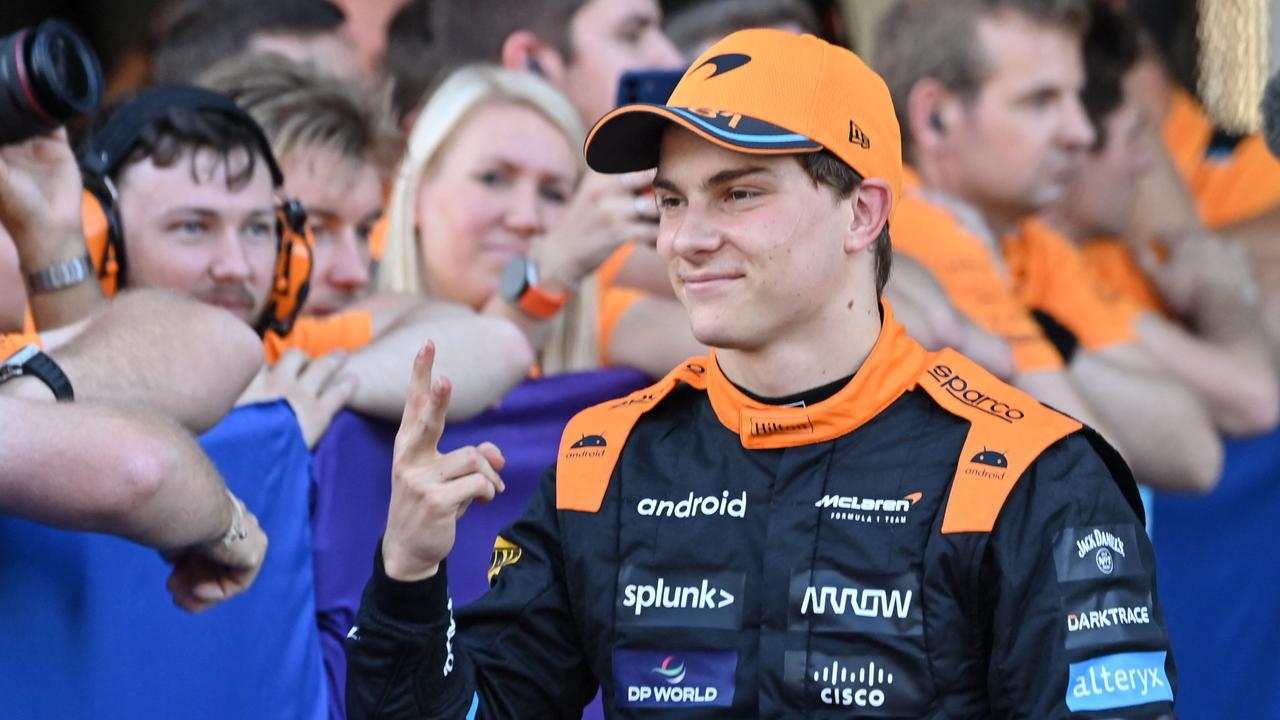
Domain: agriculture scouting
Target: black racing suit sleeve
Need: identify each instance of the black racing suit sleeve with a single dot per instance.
(1075, 625)
(513, 653)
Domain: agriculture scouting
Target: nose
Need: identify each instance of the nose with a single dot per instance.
(1076, 130)
(350, 267)
(688, 235)
(230, 263)
(524, 215)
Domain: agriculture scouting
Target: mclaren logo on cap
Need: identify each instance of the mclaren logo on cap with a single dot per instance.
(724, 63)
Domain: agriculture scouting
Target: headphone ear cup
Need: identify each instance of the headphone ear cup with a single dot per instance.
(96, 222)
(293, 269)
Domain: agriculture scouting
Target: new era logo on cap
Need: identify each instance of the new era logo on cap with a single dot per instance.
(765, 92)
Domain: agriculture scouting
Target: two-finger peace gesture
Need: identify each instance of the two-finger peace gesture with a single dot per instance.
(430, 490)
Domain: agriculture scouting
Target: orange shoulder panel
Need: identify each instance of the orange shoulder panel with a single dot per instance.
(592, 441)
(1116, 268)
(317, 336)
(1008, 431)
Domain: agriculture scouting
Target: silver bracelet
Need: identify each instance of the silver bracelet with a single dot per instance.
(61, 275)
(236, 532)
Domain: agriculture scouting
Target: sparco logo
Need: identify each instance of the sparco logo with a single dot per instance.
(959, 389)
(703, 596)
(869, 510)
(695, 506)
(863, 602)
(1104, 543)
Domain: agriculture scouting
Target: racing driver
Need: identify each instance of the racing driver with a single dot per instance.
(819, 519)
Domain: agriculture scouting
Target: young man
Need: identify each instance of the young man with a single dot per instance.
(820, 516)
(196, 184)
(338, 147)
(987, 94)
(1219, 354)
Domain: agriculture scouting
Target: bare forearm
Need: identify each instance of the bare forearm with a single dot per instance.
(161, 351)
(99, 469)
(1055, 389)
(1231, 373)
(1161, 428)
(483, 357)
(59, 308)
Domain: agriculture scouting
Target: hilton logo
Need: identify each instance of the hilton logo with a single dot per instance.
(761, 428)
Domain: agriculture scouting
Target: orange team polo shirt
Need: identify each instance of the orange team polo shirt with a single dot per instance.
(1050, 274)
(1229, 188)
(1111, 262)
(11, 343)
(614, 301)
(961, 263)
(318, 336)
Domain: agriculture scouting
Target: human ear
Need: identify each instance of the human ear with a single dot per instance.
(869, 207)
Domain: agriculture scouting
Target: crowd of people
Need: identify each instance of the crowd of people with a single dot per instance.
(975, 293)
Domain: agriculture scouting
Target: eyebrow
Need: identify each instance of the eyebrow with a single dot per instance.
(721, 178)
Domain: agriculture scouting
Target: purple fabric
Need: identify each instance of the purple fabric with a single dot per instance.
(351, 473)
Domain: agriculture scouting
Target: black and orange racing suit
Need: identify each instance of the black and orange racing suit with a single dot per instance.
(927, 542)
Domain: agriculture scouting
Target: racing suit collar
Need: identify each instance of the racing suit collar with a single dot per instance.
(890, 370)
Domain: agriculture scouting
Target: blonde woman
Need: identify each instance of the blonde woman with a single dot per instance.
(486, 212)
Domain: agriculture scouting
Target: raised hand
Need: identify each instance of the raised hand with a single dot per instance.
(430, 490)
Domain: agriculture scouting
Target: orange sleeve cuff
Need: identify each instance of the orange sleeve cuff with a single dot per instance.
(614, 303)
(317, 336)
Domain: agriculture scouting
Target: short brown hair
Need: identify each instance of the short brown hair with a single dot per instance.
(827, 170)
(919, 39)
(474, 31)
(297, 106)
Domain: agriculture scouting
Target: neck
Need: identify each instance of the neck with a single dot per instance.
(937, 177)
(793, 365)
(1060, 221)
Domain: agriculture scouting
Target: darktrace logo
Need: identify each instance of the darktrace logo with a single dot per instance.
(588, 446)
(724, 63)
(761, 427)
(883, 511)
(958, 388)
(857, 137)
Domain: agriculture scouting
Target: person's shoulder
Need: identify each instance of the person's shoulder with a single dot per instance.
(317, 336)
(592, 439)
(1008, 432)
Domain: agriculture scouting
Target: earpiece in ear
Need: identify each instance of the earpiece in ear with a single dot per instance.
(935, 122)
(531, 64)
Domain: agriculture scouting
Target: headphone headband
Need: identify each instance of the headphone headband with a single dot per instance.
(105, 149)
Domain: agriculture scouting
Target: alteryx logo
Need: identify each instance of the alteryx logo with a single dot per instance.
(1118, 681)
(667, 679)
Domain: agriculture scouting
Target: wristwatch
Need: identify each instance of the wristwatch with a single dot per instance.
(31, 361)
(61, 275)
(520, 287)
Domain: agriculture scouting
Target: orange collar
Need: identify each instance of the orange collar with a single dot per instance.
(890, 370)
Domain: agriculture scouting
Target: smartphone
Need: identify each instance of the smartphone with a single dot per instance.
(647, 86)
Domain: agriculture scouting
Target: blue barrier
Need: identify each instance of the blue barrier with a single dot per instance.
(92, 633)
(1220, 586)
(352, 470)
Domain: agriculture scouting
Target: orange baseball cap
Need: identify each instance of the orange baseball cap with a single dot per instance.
(765, 92)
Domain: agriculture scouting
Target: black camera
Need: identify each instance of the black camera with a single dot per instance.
(48, 75)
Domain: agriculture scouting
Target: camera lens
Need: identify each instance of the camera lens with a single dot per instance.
(48, 75)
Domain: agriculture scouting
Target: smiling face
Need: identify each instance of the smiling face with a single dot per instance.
(343, 199)
(189, 232)
(757, 252)
(1017, 144)
(503, 178)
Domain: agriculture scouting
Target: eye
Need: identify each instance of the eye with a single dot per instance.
(492, 178)
(260, 231)
(669, 202)
(191, 227)
(740, 195)
(553, 194)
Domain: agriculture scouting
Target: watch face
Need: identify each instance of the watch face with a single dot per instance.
(514, 280)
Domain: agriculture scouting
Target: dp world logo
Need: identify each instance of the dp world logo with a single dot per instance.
(669, 671)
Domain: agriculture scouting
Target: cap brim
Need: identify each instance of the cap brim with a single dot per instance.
(628, 138)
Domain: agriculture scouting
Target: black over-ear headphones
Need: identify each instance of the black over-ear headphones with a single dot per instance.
(104, 150)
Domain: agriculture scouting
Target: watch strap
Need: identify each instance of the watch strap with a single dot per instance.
(540, 303)
(61, 275)
(31, 361)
